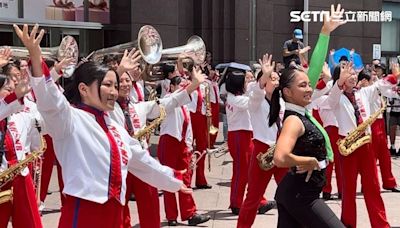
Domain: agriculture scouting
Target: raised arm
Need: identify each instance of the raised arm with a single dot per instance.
(256, 89)
(337, 89)
(321, 48)
(51, 103)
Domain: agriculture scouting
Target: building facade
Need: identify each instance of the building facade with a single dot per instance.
(233, 30)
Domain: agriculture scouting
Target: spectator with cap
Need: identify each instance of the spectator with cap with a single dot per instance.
(380, 70)
(291, 48)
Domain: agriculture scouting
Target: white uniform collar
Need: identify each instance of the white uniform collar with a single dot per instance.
(295, 108)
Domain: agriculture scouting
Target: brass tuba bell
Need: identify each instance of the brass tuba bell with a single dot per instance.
(68, 48)
(148, 42)
(195, 45)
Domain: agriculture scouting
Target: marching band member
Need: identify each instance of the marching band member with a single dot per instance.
(94, 151)
(134, 116)
(17, 129)
(379, 139)
(168, 72)
(174, 150)
(49, 156)
(137, 91)
(197, 108)
(351, 107)
(264, 135)
(132, 113)
(240, 133)
(214, 100)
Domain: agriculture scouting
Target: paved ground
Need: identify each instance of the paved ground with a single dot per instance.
(215, 201)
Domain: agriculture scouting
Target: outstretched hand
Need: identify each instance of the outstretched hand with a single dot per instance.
(59, 66)
(129, 61)
(197, 76)
(32, 43)
(267, 65)
(5, 55)
(346, 70)
(334, 20)
(30, 40)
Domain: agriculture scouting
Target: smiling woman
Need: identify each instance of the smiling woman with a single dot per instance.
(95, 152)
(95, 85)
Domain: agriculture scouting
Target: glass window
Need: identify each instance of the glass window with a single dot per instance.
(390, 35)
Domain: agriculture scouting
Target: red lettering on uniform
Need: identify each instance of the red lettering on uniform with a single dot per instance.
(120, 144)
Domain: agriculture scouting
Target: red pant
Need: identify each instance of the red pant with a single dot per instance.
(379, 146)
(47, 168)
(23, 209)
(80, 213)
(333, 133)
(199, 126)
(147, 202)
(362, 161)
(215, 121)
(240, 148)
(175, 154)
(257, 183)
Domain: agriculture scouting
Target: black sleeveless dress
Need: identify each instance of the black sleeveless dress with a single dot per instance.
(310, 144)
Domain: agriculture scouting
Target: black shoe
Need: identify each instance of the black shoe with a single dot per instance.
(206, 186)
(395, 189)
(172, 223)
(235, 210)
(264, 208)
(393, 152)
(326, 196)
(198, 219)
(132, 197)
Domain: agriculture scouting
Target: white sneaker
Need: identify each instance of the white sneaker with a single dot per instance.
(41, 206)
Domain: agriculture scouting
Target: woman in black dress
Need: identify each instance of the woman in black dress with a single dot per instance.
(301, 147)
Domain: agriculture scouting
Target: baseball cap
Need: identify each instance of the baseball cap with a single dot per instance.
(381, 65)
(298, 34)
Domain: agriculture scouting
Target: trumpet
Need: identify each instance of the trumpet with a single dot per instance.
(220, 151)
(197, 155)
(148, 42)
(68, 48)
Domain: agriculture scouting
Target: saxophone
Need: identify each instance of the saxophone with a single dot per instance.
(6, 196)
(266, 160)
(10, 173)
(145, 132)
(357, 137)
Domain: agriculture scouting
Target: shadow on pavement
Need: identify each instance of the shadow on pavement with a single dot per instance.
(50, 211)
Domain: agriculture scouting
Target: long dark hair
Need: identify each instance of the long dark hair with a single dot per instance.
(286, 80)
(86, 73)
(3, 80)
(8, 67)
(336, 73)
(235, 81)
